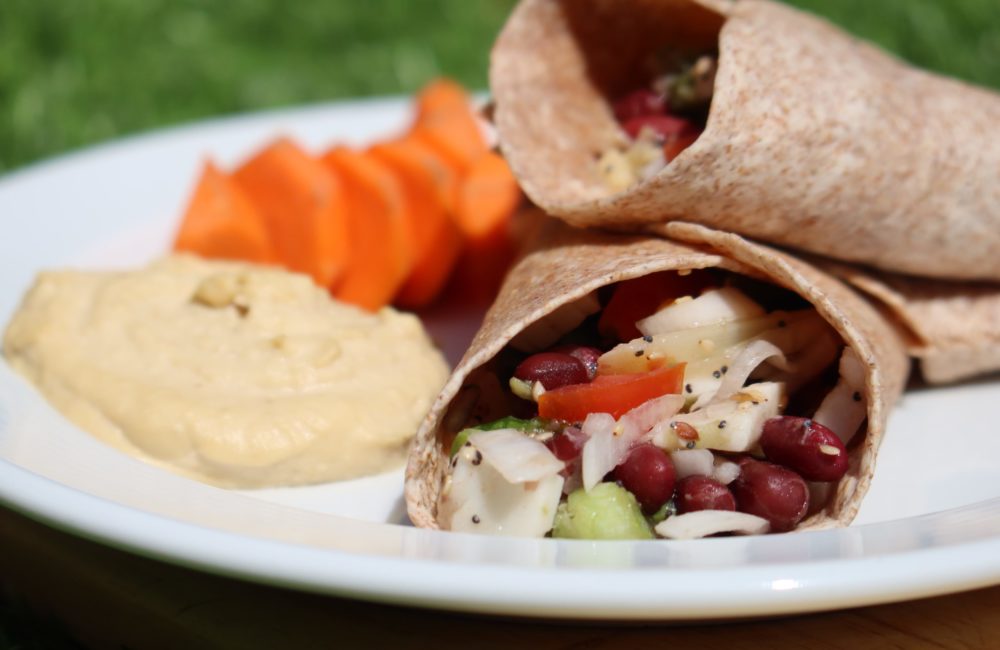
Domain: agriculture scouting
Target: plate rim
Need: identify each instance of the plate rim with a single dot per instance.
(813, 590)
(800, 587)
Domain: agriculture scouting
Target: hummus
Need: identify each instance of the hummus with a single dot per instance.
(232, 374)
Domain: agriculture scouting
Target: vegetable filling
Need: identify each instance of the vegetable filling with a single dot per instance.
(660, 120)
(676, 405)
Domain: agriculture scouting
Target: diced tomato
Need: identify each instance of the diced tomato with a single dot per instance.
(673, 146)
(639, 103)
(636, 299)
(664, 126)
(614, 394)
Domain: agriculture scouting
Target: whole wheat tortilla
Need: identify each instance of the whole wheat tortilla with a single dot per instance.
(814, 140)
(951, 328)
(571, 263)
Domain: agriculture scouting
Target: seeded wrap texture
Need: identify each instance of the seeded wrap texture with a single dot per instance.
(815, 140)
(571, 263)
(951, 328)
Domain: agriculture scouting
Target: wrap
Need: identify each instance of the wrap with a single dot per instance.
(814, 140)
(571, 263)
(951, 328)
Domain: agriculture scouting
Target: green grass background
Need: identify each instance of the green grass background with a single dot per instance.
(74, 72)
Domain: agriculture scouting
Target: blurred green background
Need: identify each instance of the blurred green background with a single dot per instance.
(74, 72)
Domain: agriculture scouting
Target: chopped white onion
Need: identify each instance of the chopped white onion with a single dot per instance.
(702, 523)
(519, 458)
(692, 462)
(574, 480)
(665, 436)
(810, 361)
(719, 410)
(603, 449)
(725, 471)
(647, 415)
(711, 307)
(851, 369)
(609, 441)
(840, 411)
(755, 353)
(477, 498)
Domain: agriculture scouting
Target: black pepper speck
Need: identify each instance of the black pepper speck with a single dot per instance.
(722, 424)
(639, 353)
(478, 459)
(856, 396)
(647, 338)
(688, 388)
(475, 519)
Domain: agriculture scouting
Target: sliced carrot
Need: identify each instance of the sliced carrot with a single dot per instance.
(221, 223)
(380, 231)
(302, 204)
(446, 122)
(429, 187)
(487, 199)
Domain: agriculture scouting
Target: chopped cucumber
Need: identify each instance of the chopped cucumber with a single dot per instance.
(607, 511)
(668, 509)
(460, 440)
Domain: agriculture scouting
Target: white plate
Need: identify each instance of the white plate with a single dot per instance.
(930, 525)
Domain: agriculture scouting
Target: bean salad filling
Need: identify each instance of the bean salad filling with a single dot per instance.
(675, 405)
(661, 119)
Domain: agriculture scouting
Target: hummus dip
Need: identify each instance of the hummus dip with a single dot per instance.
(232, 374)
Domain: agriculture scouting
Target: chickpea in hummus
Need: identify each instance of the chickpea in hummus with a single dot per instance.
(233, 374)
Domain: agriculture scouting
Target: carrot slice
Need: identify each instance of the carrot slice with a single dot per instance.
(446, 122)
(488, 197)
(380, 229)
(221, 223)
(302, 204)
(429, 187)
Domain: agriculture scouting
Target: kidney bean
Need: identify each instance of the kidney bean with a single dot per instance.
(806, 446)
(552, 369)
(770, 491)
(639, 103)
(648, 473)
(702, 493)
(568, 444)
(586, 354)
